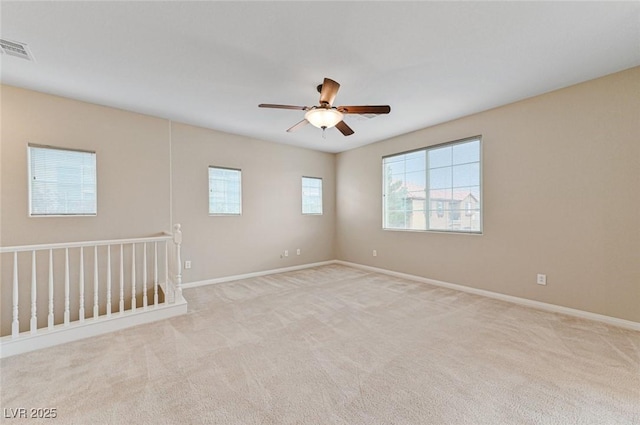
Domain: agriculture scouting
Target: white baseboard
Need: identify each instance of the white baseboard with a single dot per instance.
(254, 274)
(61, 334)
(614, 321)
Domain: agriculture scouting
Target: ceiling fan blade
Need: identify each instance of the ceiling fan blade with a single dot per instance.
(329, 91)
(298, 125)
(344, 128)
(271, 105)
(365, 109)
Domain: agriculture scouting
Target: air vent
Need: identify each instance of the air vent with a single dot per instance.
(16, 49)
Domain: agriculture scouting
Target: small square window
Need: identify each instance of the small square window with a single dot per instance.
(61, 181)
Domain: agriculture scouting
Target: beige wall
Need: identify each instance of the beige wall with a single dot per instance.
(137, 155)
(271, 219)
(561, 176)
(132, 159)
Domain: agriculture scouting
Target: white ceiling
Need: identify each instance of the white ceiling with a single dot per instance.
(211, 63)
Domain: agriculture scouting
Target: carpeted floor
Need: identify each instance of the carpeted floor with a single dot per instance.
(337, 345)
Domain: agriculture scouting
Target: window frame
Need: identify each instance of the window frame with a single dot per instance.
(321, 195)
(426, 149)
(217, 214)
(30, 180)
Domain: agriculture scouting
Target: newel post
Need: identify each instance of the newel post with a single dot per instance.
(177, 240)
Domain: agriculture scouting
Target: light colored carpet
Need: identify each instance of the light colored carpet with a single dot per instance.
(337, 345)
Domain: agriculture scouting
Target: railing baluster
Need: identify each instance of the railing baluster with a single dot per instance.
(133, 277)
(15, 324)
(96, 308)
(50, 318)
(144, 276)
(66, 286)
(155, 273)
(121, 278)
(34, 297)
(166, 271)
(177, 240)
(81, 311)
(108, 280)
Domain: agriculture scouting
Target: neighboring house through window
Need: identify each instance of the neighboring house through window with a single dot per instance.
(435, 188)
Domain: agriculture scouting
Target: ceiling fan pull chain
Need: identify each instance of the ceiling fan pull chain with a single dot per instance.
(324, 132)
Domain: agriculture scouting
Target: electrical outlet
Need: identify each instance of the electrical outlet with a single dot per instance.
(298, 251)
(286, 253)
(375, 253)
(542, 279)
(187, 264)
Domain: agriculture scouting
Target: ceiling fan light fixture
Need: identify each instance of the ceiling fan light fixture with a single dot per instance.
(323, 117)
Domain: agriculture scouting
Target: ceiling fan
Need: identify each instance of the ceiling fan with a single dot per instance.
(325, 115)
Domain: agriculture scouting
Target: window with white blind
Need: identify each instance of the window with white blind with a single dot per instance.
(436, 188)
(312, 195)
(225, 191)
(61, 181)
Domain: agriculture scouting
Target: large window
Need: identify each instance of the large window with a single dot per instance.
(436, 188)
(225, 191)
(61, 181)
(311, 195)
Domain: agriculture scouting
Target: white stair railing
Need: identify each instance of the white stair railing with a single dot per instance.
(59, 282)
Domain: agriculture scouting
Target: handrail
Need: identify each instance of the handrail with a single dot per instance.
(23, 248)
(150, 269)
